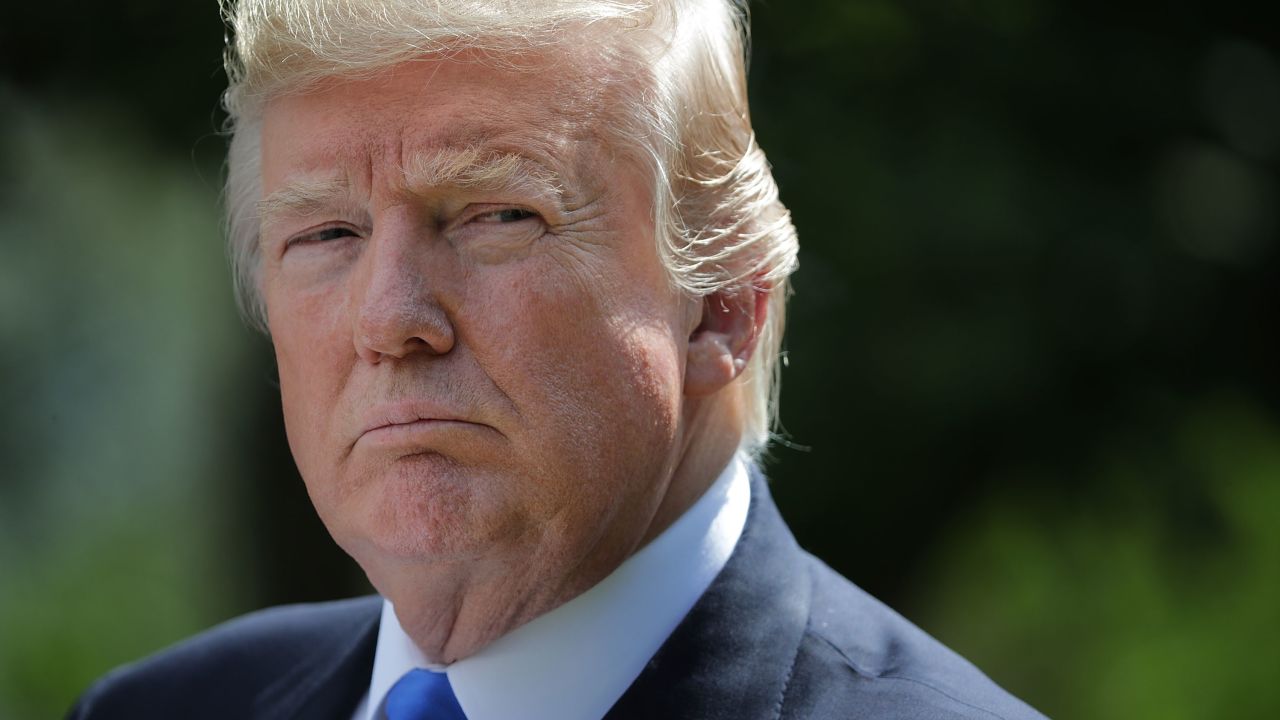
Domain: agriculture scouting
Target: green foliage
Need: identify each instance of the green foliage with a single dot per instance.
(118, 333)
(1103, 609)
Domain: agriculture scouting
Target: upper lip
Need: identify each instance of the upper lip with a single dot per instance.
(405, 412)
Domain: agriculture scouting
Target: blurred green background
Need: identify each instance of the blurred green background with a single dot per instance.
(1032, 354)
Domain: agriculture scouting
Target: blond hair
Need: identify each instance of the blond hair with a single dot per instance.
(721, 226)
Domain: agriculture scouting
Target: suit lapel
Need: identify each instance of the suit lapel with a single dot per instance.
(731, 657)
(329, 682)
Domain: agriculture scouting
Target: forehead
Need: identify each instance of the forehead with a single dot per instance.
(550, 109)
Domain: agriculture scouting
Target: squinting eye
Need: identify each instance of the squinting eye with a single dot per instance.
(507, 215)
(332, 233)
(322, 235)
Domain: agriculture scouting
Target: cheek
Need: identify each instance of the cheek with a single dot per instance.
(311, 358)
(649, 357)
(603, 370)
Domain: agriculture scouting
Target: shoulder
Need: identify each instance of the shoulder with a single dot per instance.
(221, 672)
(856, 652)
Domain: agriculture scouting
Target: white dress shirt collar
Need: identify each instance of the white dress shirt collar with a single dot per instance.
(574, 662)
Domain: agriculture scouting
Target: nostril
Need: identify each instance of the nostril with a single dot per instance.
(414, 344)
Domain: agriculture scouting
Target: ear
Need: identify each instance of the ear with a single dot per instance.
(725, 338)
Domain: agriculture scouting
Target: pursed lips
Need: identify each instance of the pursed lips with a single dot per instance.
(410, 422)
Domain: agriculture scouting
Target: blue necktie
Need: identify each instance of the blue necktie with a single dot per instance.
(423, 695)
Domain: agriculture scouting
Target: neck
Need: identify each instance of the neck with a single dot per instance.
(708, 448)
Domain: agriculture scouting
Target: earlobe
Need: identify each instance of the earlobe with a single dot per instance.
(725, 338)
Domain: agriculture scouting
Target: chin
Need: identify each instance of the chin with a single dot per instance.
(412, 515)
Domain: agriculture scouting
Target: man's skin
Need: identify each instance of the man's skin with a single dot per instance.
(492, 388)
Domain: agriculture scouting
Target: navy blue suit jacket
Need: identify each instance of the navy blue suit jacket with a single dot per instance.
(778, 635)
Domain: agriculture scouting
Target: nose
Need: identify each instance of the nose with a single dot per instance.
(398, 312)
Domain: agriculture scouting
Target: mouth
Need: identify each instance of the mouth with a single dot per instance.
(393, 433)
(414, 425)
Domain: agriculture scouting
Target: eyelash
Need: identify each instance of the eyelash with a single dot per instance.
(334, 232)
(337, 232)
(522, 213)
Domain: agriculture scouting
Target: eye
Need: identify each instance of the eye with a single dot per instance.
(505, 215)
(323, 235)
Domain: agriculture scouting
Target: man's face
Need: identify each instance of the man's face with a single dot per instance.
(480, 355)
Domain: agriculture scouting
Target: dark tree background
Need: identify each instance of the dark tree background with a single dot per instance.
(1032, 397)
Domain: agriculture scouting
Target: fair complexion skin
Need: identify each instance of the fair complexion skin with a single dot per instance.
(491, 388)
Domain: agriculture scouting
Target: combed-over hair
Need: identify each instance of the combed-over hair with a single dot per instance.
(720, 224)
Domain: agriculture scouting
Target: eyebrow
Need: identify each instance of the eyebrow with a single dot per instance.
(476, 168)
(305, 197)
(469, 168)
